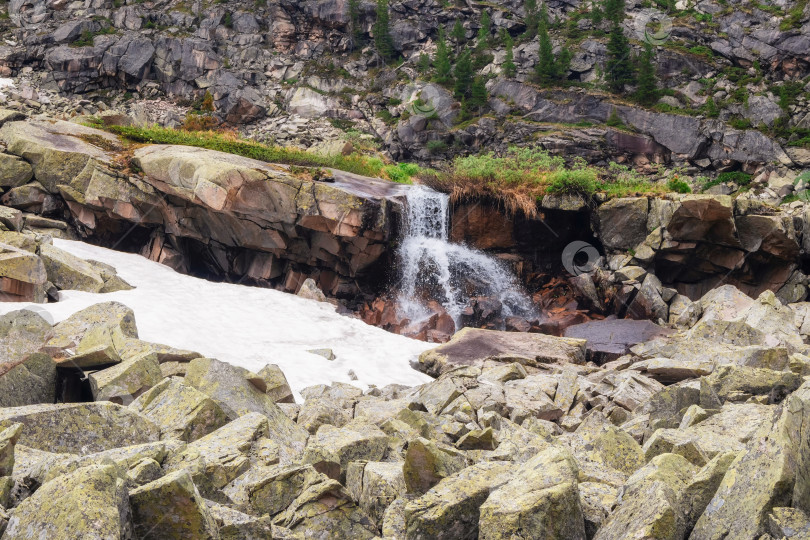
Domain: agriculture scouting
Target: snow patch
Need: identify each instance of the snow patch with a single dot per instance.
(245, 326)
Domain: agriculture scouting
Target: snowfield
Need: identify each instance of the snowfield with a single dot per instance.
(246, 326)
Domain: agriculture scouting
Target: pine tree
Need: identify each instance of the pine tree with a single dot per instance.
(509, 68)
(546, 69)
(382, 31)
(424, 63)
(562, 64)
(483, 40)
(354, 22)
(531, 19)
(619, 67)
(478, 94)
(442, 62)
(647, 92)
(463, 73)
(458, 34)
(613, 10)
(596, 14)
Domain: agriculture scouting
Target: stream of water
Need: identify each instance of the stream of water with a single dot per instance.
(434, 268)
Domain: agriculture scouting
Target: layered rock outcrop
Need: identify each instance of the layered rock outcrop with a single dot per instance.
(206, 211)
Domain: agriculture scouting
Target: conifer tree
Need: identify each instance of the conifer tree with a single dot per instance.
(478, 94)
(382, 31)
(442, 62)
(483, 40)
(463, 73)
(354, 22)
(531, 19)
(509, 68)
(647, 91)
(613, 10)
(458, 34)
(546, 70)
(424, 63)
(619, 67)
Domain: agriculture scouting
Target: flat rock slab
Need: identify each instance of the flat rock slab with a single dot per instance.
(475, 346)
(610, 338)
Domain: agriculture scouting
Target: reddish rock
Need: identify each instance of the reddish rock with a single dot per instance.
(482, 226)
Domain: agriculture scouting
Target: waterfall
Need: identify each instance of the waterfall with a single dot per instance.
(433, 268)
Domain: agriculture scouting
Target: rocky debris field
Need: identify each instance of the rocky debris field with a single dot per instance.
(698, 434)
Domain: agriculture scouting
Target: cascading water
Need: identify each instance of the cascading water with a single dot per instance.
(433, 268)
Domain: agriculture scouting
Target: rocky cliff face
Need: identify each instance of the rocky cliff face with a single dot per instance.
(303, 72)
(200, 210)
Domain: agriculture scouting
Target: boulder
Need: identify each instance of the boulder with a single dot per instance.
(451, 509)
(89, 503)
(380, 483)
(622, 223)
(331, 449)
(79, 428)
(650, 505)
(473, 346)
(67, 271)
(218, 458)
(171, 507)
(29, 382)
(428, 462)
(180, 411)
(58, 151)
(315, 413)
(228, 386)
(8, 441)
(234, 525)
(325, 510)
(14, 172)
(609, 339)
(276, 384)
(22, 274)
(106, 323)
(540, 501)
(124, 382)
(788, 523)
(271, 490)
(11, 218)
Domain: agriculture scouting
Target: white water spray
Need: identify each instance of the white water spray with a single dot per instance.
(450, 273)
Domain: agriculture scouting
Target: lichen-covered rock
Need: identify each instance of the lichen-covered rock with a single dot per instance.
(223, 455)
(24, 269)
(90, 503)
(229, 387)
(124, 382)
(597, 501)
(21, 333)
(107, 323)
(541, 501)
(8, 441)
(271, 490)
(171, 507)
(789, 523)
(55, 150)
(331, 449)
(127, 457)
(427, 462)
(317, 412)
(325, 510)
(29, 382)
(234, 525)
(181, 411)
(380, 483)
(79, 428)
(701, 488)
(67, 271)
(450, 509)
(277, 386)
(650, 505)
(14, 172)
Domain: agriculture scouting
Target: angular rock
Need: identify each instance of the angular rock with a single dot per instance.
(14, 172)
(451, 509)
(229, 387)
(124, 382)
(89, 503)
(541, 501)
(67, 271)
(79, 428)
(331, 449)
(180, 411)
(276, 383)
(8, 441)
(31, 381)
(171, 507)
(428, 462)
